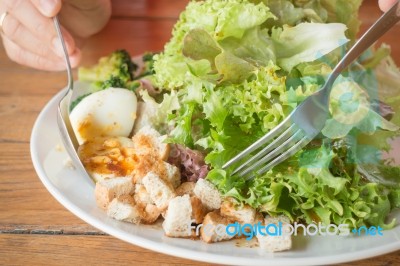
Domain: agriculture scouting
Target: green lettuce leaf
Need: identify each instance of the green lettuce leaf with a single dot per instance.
(239, 67)
(255, 47)
(198, 44)
(346, 12)
(220, 19)
(303, 43)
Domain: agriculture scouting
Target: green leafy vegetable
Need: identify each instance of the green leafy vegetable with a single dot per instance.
(238, 68)
(302, 43)
(198, 44)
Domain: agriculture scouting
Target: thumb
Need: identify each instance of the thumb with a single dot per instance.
(385, 5)
(48, 8)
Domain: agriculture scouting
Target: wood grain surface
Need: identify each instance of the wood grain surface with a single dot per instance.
(34, 228)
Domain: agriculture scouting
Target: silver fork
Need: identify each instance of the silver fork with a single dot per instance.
(308, 119)
(64, 124)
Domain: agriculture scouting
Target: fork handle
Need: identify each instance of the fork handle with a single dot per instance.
(64, 48)
(380, 27)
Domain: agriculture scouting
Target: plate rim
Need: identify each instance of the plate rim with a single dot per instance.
(171, 250)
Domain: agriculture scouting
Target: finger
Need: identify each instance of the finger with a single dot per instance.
(24, 37)
(26, 13)
(48, 8)
(26, 40)
(27, 58)
(385, 5)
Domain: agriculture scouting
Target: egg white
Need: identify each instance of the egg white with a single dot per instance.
(110, 112)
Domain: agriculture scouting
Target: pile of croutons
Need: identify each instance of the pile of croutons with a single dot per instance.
(135, 183)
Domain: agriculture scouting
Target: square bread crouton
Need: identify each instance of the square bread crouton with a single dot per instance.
(178, 217)
(123, 208)
(150, 214)
(166, 171)
(108, 189)
(185, 188)
(214, 228)
(243, 214)
(172, 174)
(198, 210)
(148, 141)
(141, 195)
(160, 191)
(275, 243)
(208, 194)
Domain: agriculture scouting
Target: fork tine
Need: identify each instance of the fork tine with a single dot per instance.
(295, 148)
(284, 136)
(263, 140)
(283, 146)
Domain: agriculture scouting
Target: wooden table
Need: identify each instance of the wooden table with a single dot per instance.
(34, 227)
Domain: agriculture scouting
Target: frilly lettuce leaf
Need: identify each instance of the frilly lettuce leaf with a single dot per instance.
(310, 193)
(343, 11)
(232, 68)
(220, 19)
(255, 46)
(303, 43)
(160, 110)
(238, 68)
(293, 13)
(232, 36)
(198, 44)
(388, 76)
(239, 17)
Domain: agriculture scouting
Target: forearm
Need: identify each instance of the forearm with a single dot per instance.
(84, 18)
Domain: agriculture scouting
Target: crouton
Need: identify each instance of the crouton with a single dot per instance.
(243, 214)
(214, 228)
(185, 188)
(172, 174)
(160, 191)
(141, 195)
(178, 217)
(276, 219)
(148, 141)
(168, 172)
(208, 194)
(108, 189)
(275, 243)
(198, 210)
(144, 165)
(150, 214)
(123, 208)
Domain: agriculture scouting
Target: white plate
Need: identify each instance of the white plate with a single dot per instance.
(77, 196)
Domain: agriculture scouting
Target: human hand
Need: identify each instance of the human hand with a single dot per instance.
(385, 5)
(29, 36)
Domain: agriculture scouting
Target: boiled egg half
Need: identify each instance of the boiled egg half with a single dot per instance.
(109, 112)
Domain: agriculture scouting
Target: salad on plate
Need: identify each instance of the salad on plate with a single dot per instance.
(154, 133)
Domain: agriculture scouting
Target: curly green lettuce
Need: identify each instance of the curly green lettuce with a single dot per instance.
(239, 67)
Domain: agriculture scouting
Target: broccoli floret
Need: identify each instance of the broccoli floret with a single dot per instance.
(118, 64)
(147, 57)
(116, 82)
(148, 64)
(113, 82)
(133, 85)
